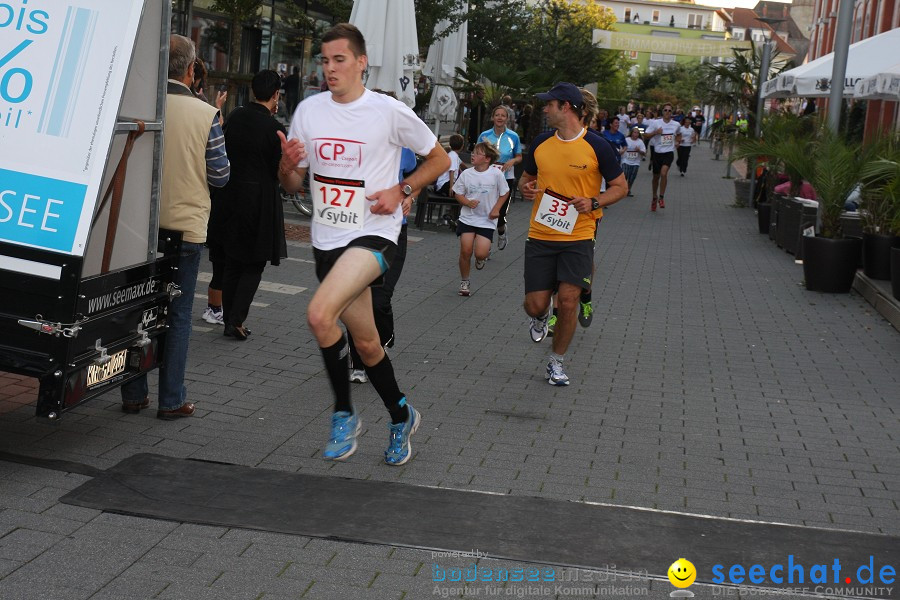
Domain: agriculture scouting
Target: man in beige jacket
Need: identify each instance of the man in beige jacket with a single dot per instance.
(193, 159)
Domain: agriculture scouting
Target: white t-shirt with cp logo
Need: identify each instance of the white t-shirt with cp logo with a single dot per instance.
(353, 151)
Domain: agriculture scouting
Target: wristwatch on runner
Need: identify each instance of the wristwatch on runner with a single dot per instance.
(406, 189)
(595, 204)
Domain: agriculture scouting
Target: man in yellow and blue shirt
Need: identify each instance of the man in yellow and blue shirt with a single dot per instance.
(563, 175)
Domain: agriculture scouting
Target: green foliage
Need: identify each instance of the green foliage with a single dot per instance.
(881, 188)
(784, 145)
(735, 84)
(496, 79)
(431, 12)
(496, 28)
(560, 39)
(546, 41)
(679, 83)
(833, 169)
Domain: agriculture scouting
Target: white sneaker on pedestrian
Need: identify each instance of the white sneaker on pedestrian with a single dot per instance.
(464, 287)
(214, 317)
(502, 239)
(538, 328)
(358, 376)
(479, 264)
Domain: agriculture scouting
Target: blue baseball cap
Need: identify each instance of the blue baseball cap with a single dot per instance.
(564, 92)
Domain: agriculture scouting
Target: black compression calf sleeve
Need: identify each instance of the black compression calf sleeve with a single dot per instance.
(337, 365)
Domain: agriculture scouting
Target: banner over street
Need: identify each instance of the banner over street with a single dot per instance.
(636, 42)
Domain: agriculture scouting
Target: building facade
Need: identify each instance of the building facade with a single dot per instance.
(663, 19)
(280, 37)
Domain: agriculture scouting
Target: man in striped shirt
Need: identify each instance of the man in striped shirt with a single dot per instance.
(193, 160)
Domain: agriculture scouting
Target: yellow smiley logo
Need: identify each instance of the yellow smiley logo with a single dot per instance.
(682, 573)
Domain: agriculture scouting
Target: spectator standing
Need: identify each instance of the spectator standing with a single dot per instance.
(291, 90)
(194, 159)
(247, 222)
(477, 117)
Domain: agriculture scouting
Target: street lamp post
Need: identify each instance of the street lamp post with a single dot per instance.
(760, 103)
(839, 69)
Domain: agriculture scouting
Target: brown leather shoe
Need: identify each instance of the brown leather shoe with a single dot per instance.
(186, 410)
(135, 408)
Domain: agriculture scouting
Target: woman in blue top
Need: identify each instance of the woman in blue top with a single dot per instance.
(507, 144)
(615, 137)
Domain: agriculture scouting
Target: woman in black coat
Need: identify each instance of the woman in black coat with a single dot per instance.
(247, 221)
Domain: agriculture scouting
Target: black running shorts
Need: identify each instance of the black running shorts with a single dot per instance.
(547, 263)
(384, 250)
(660, 159)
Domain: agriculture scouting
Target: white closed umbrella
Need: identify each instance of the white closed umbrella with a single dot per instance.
(445, 56)
(866, 58)
(883, 86)
(392, 45)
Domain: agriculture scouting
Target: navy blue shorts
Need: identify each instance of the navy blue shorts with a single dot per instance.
(484, 232)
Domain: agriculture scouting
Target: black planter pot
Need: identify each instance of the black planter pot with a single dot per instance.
(877, 254)
(830, 265)
(895, 272)
(774, 207)
(763, 215)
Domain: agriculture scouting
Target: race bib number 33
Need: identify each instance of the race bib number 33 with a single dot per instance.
(339, 202)
(555, 212)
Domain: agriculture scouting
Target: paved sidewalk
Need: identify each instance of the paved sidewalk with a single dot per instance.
(711, 382)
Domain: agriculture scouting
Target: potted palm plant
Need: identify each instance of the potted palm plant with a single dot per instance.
(880, 208)
(783, 145)
(829, 259)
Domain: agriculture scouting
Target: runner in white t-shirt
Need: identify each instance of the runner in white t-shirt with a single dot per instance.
(481, 190)
(688, 137)
(634, 154)
(666, 133)
(350, 141)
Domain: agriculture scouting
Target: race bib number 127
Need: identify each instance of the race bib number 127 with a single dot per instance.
(338, 202)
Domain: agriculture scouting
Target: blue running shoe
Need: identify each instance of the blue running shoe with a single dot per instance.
(344, 429)
(399, 449)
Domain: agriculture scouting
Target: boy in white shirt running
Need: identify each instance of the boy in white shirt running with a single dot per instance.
(481, 190)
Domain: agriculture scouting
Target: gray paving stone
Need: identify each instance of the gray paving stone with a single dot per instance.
(707, 384)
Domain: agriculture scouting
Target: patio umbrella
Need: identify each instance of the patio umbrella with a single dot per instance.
(883, 86)
(444, 56)
(389, 27)
(866, 58)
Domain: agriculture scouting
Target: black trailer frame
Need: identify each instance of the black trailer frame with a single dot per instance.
(82, 334)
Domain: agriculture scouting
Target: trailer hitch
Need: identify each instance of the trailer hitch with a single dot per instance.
(56, 329)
